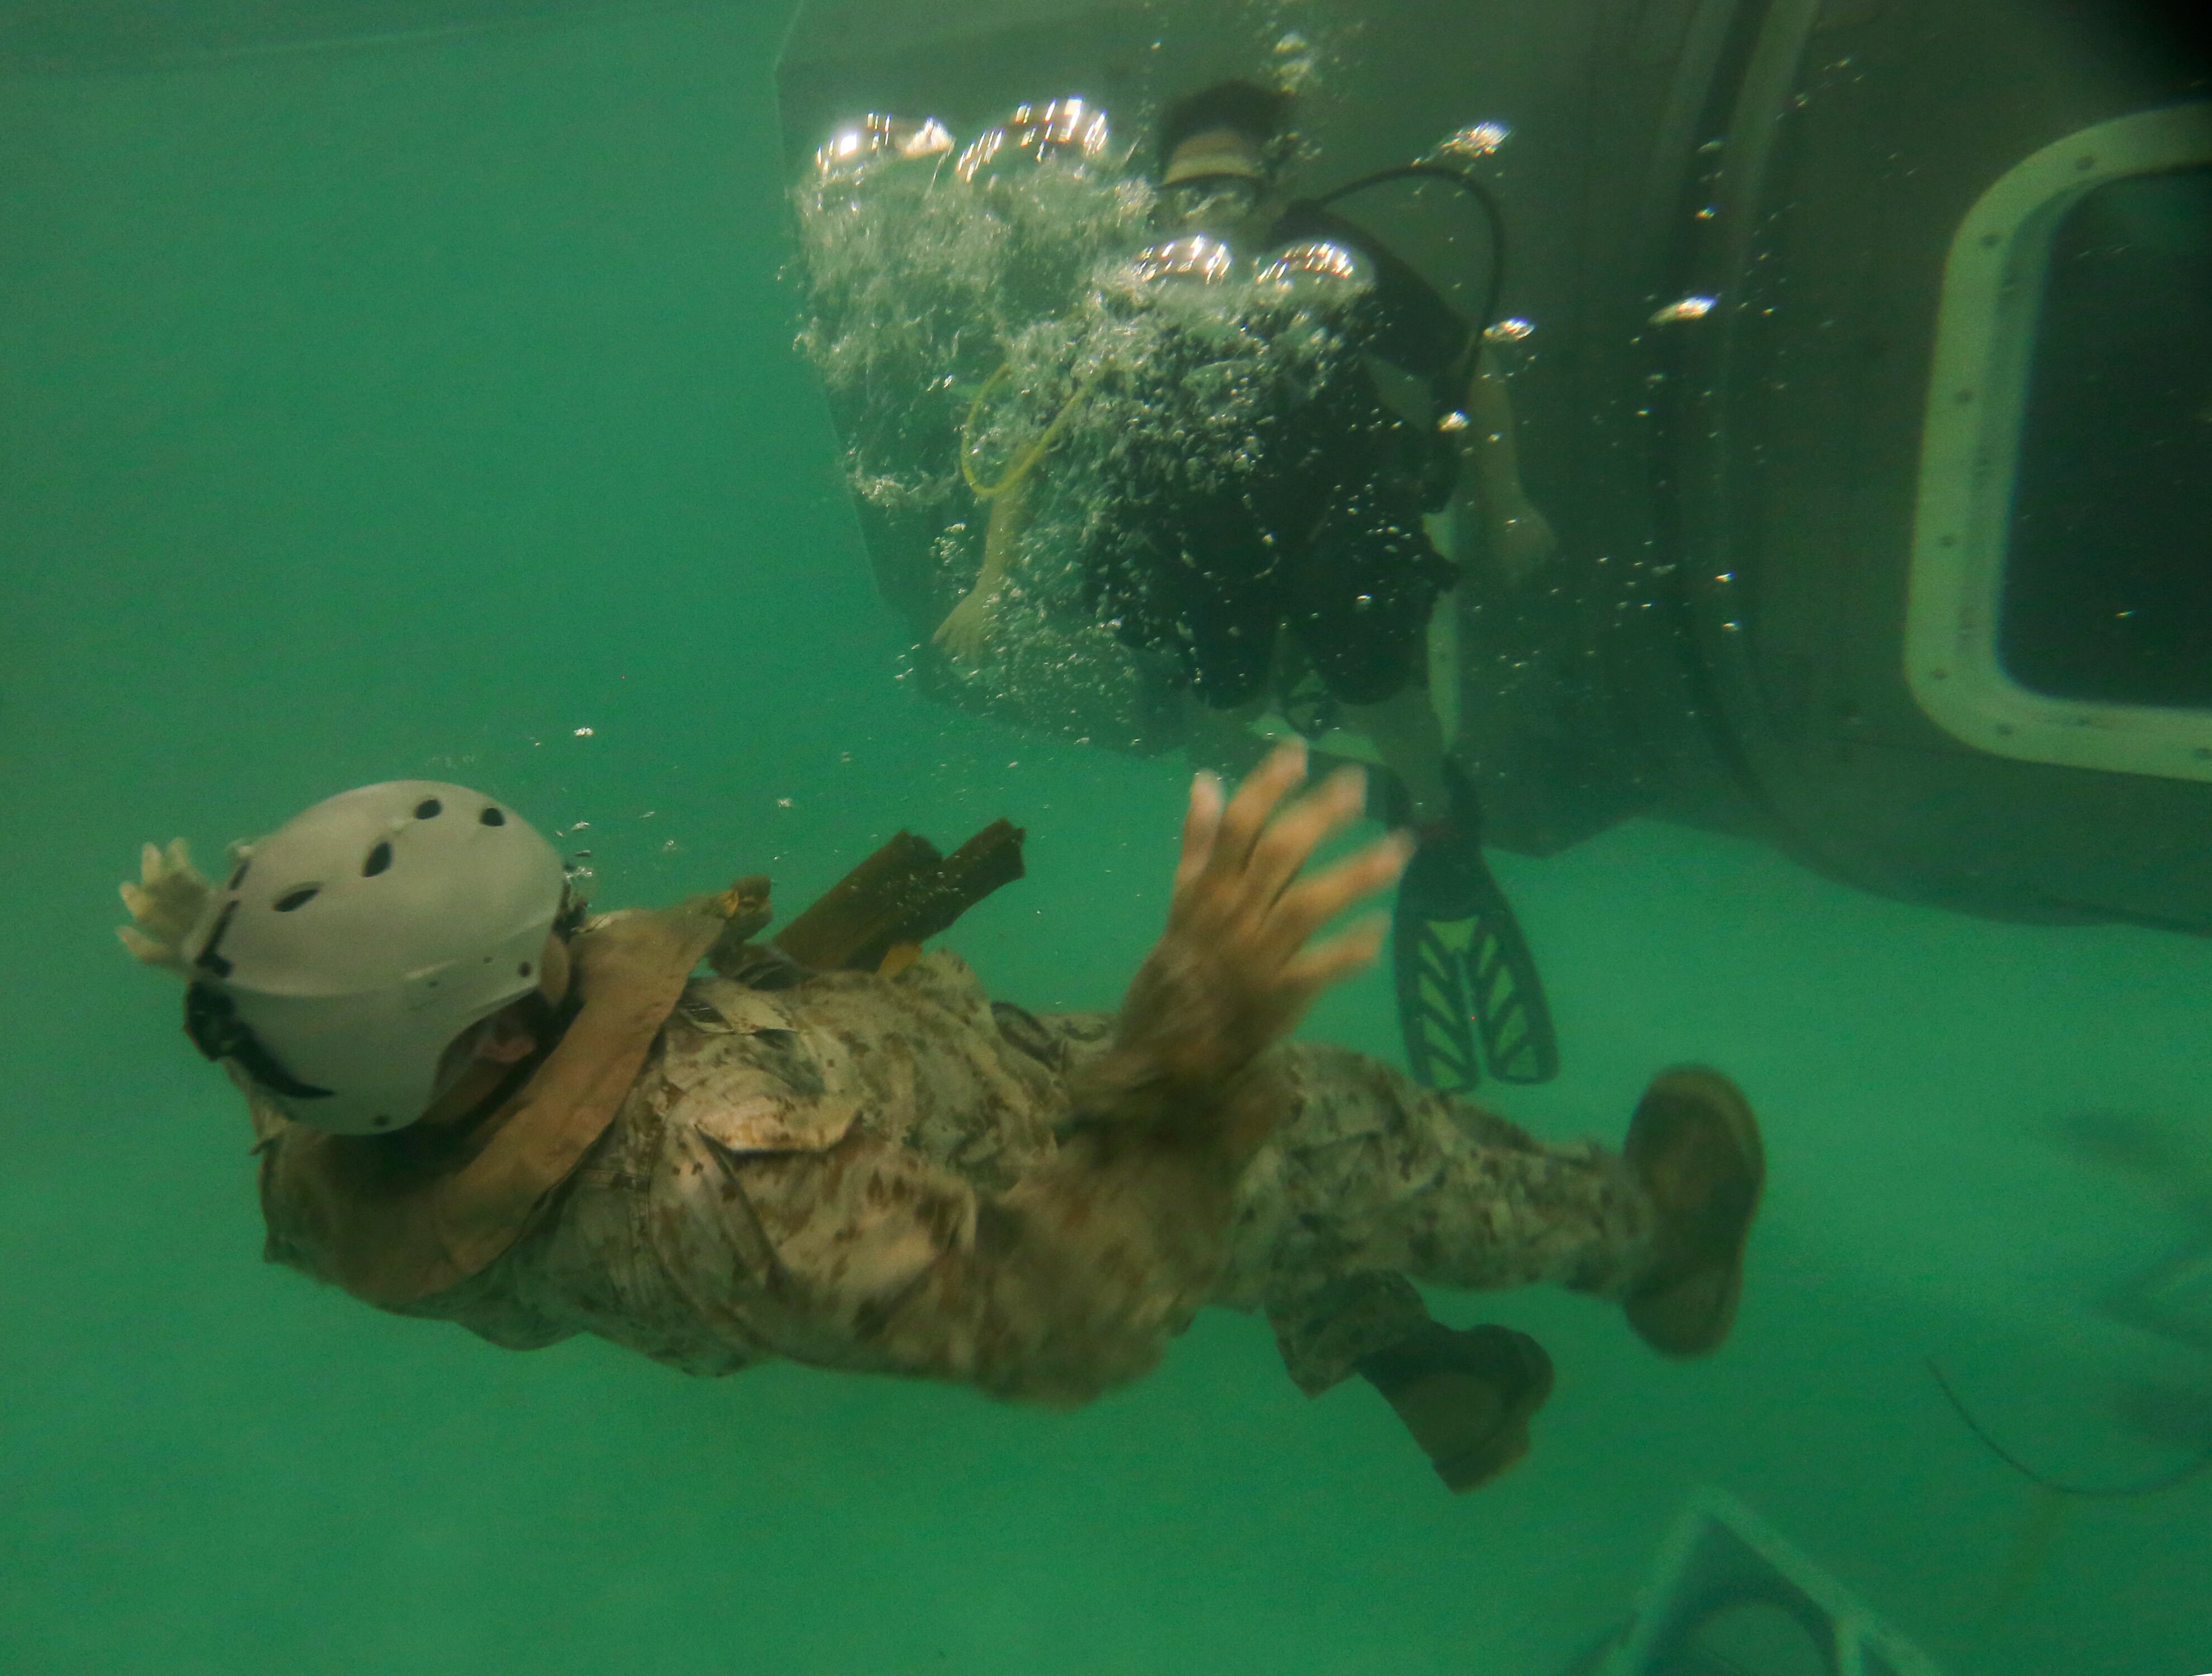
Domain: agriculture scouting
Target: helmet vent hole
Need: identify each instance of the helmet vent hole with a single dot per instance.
(299, 898)
(427, 808)
(379, 859)
(493, 817)
(523, 970)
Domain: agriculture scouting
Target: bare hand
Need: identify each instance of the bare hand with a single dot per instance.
(165, 904)
(969, 629)
(1234, 971)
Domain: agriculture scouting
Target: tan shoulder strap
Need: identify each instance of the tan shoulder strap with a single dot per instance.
(391, 1233)
(904, 894)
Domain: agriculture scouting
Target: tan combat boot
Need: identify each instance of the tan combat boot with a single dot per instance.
(1694, 1145)
(1467, 1396)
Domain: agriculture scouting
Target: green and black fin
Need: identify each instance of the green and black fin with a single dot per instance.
(1519, 1041)
(1466, 977)
(1433, 1005)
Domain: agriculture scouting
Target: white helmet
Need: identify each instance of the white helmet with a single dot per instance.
(348, 948)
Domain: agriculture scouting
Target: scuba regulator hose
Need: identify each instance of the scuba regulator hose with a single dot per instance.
(1029, 458)
(1495, 217)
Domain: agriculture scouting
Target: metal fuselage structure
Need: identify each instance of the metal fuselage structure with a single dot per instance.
(1799, 275)
(1730, 222)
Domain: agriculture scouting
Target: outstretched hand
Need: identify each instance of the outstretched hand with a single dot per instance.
(1238, 968)
(165, 904)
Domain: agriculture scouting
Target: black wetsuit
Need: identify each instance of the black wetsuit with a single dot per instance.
(1317, 529)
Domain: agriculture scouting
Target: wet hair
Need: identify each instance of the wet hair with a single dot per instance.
(1244, 108)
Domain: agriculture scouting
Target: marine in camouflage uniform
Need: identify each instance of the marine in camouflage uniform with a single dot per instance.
(881, 1171)
(821, 1172)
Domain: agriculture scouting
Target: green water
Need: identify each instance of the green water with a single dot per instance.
(404, 409)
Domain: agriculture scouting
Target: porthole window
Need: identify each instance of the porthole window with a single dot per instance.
(2061, 606)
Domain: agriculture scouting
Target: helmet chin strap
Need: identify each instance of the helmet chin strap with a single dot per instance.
(212, 1023)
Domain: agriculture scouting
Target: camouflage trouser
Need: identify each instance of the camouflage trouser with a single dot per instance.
(1371, 1180)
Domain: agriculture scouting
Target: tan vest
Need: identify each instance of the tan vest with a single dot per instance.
(393, 1226)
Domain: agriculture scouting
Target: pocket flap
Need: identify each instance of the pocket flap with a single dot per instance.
(748, 1106)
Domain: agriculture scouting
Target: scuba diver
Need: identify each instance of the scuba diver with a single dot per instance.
(475, 1103)
(1264, 525)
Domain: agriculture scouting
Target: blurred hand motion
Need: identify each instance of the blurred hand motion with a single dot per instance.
(1238, 968)
(165, 904)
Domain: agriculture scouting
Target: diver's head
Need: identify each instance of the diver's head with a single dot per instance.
(383, 957)
(1220, 158)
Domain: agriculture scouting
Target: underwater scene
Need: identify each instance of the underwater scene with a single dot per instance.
(1293, 836)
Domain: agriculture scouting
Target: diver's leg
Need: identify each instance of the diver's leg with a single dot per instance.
(1410, 740)
(1371, 1179)
(1468, 988)
(1370, 1175)
(1227, 629)
(1370, 1171)
(1362, 591)
(1465, 1396)
(1324, 1332)
(1229, 741)
(1229, 613)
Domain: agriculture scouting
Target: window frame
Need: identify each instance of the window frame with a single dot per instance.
(1978, 390)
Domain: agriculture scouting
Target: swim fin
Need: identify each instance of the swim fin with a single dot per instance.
(1469, 991)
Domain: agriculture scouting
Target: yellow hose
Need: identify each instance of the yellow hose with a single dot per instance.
(1024, 462)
